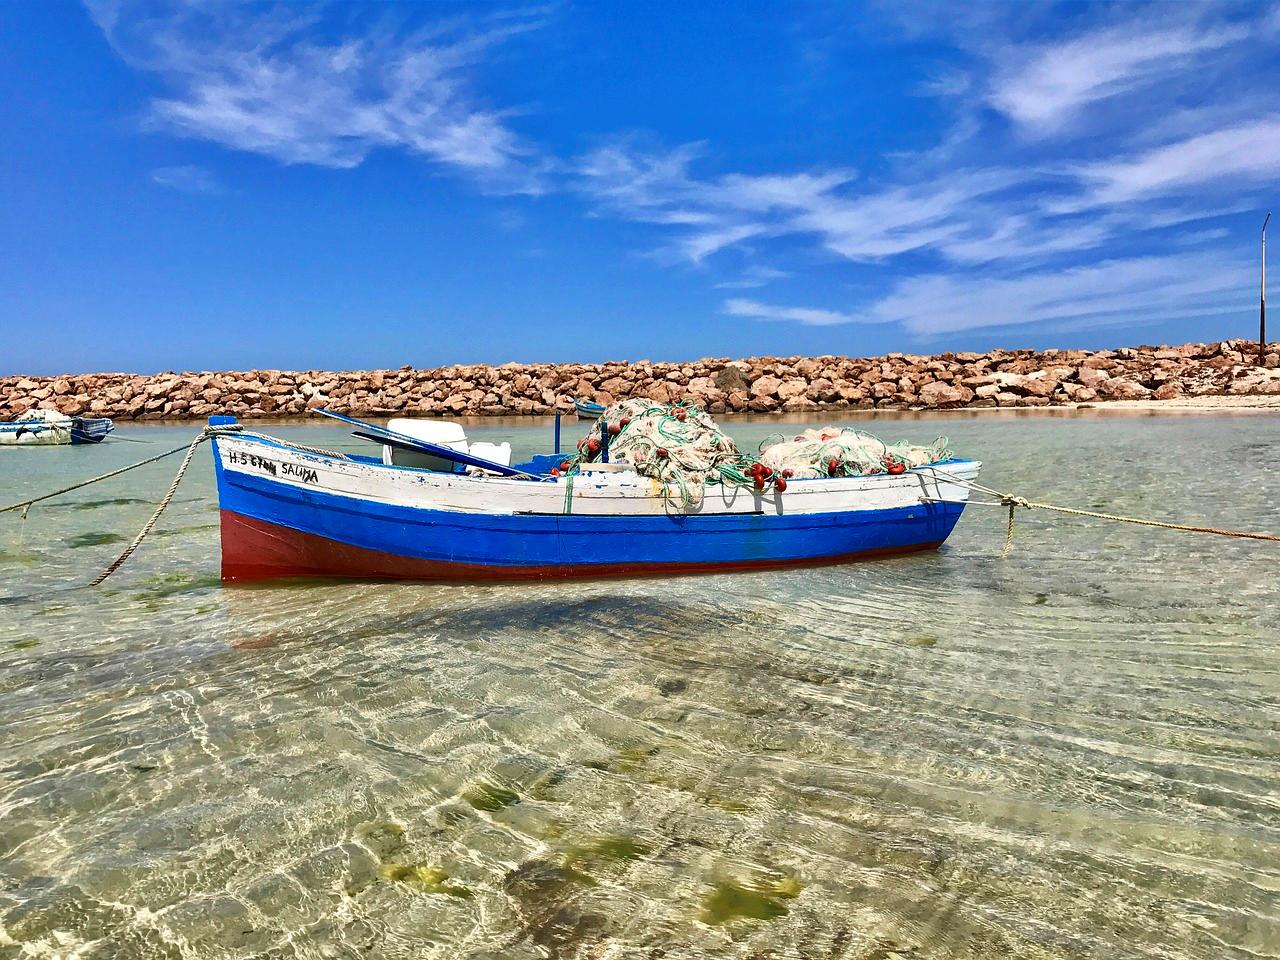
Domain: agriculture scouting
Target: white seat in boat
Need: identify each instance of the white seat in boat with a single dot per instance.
(443, 433)
(496, 452)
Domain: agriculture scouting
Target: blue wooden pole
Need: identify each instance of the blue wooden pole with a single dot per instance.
(1262, 301)
(557, 450)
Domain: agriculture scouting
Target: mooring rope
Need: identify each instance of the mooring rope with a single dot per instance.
(208, 433)
(1013, 502)
(85, 483)
(115, 565)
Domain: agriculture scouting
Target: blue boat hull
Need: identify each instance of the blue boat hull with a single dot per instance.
(270, 530)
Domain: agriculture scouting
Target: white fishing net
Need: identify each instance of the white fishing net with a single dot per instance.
(677, 444)
(843, 452)
(683, 447)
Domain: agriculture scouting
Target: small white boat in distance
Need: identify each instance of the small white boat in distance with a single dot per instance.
(49, 427)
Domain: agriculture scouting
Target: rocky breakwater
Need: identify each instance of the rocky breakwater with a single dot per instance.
(1001, 378)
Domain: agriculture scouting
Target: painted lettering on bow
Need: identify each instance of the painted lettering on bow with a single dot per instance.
(243, 459)
(304, 474)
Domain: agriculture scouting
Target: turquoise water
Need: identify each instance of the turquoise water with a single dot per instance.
(1071, 753)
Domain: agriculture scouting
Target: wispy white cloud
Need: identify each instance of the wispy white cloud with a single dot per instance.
(1007, 221)
(810, 316)
(945, 83)
(658, 187)
(268, 81)
(965, 216)
(1198, 237)
(187, 178)
(1130, 291)
(1248, 151)
(1045, 86)
(714, 213)
(901, 218)
(1011, 230)
(1134, 290)
(753, 277)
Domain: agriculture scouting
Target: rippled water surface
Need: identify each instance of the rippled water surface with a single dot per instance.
(1071, 753)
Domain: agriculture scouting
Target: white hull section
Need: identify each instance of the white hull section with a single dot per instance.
(34, 435)
(600, 494)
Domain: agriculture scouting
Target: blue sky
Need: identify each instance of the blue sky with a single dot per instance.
(347, 186)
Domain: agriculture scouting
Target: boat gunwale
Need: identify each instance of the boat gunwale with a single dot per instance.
(602, 480)
(616, 494)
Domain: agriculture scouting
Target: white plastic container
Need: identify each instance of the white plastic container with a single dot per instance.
(443, 433)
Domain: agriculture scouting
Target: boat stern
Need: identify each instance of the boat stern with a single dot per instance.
(90, 429)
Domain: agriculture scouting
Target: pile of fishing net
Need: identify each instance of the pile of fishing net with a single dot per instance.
(677, 444)
(842, 452)
(681, 446)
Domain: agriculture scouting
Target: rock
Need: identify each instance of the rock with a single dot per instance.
(763, 404)
(798, 403)
(944, 395)
(766, 386)
(792, 388)
(1079, 393)
(1000, 377)
(1034, 385)
(1118, 388)
(1092, 376)
(730, 379)
(659, 393)
(1260, 381)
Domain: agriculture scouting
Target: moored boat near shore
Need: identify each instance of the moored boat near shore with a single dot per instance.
(48, 427)
(288, 511)
(588, 409)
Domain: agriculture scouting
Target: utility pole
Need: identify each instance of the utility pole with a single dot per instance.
(1262, 301)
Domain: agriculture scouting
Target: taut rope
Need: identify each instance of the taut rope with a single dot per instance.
(1013, 502)
(208, 433)
(84, 483)
(115, 565)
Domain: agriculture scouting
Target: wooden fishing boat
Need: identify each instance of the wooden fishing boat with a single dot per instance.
(588, 409)
(48, 427)
(292, 511)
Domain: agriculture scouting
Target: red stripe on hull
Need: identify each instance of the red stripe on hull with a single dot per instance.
(257, 550)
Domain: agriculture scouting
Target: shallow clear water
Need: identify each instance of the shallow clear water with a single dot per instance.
(1071, 753)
